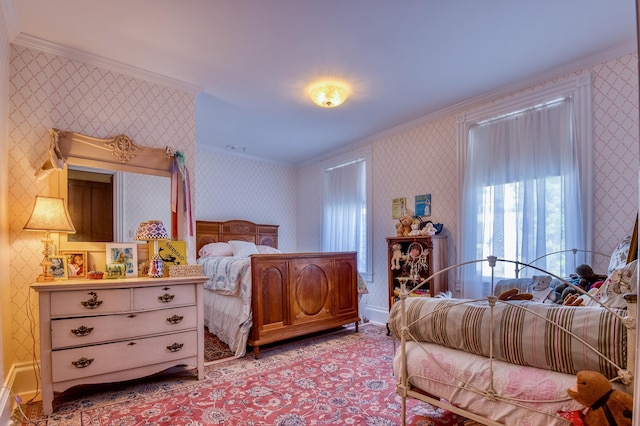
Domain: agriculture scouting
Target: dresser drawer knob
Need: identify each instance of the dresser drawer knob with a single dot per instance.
(166, 298)
(82, 362)
(175, 319)
(175, 347)
(131, 343)
(93, 302)
(82, 331)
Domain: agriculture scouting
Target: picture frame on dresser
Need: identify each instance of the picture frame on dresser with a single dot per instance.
(126, 254)
(58, 267)
(76, 261)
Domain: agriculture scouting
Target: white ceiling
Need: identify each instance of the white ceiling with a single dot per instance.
(252, 60)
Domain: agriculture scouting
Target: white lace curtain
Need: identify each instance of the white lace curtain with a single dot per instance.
(522, 189)
(345, 200)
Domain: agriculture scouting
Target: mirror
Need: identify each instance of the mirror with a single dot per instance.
(107, 206)
(141, 187)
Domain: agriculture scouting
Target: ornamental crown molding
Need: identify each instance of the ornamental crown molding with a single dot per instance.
(101, 62)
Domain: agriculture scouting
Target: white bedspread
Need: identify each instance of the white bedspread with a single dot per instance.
(227, 300)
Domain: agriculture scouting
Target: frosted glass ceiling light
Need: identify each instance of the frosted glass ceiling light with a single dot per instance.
(328, 94)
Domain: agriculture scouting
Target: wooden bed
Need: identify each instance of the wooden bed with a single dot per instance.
(291, 295)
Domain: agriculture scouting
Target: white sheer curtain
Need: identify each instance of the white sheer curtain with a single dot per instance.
(345, 205)
(522, 190)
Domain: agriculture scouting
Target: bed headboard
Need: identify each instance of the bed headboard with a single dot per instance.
(243, 230)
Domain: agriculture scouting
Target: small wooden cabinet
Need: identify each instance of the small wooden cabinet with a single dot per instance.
(419, 257)
(100, 331)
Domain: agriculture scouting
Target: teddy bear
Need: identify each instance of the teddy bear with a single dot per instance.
(403, 227)
(396, 256)
(514, 294)
(415, 228)
(607, 406)
(540, 288)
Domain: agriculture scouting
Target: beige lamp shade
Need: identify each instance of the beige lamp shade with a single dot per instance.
(50, 215)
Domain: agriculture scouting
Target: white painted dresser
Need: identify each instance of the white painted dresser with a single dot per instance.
(101, 331)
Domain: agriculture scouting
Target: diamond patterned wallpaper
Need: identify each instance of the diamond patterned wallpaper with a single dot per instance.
(233, 187)
(50, 91)
(5, 288)
(424, 160)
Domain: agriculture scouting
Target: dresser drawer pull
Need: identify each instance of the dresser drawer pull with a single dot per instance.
(82, 331)
(166, 298)
(93, 302)
(166, 288)
(175, 319)
(175, 347)
(132, 316)
(82, 362)
(131, 343)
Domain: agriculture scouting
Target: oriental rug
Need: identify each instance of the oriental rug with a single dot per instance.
(214, 348)
(340, 377)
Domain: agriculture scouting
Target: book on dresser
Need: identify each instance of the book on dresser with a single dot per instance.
(102, 331)
(414, 259)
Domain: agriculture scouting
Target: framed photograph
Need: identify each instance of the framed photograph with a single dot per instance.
(126, 254)
(58, 267)
(423, 205)
(76, 263)
(398, 206)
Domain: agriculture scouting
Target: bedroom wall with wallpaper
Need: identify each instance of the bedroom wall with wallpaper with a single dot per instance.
(423, 159)
(51, 91)
(233, 187)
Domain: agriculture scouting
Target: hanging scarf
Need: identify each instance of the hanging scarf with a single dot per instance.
(179, 170)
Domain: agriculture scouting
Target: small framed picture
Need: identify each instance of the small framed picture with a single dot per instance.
(76, 263)
(126, 254)
(58, 267)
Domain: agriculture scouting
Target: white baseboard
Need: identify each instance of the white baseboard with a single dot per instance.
(22, 381)
(376, 315)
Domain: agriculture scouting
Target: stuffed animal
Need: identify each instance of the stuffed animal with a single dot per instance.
(514, 294)
(415, 228)
(607, 406)
(541, 282)
(403, 227)
(396, 256)
(573, 300)
(540, 288)
(428, 229)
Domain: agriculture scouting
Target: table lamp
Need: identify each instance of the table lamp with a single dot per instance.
(153, 230)
(49, 215)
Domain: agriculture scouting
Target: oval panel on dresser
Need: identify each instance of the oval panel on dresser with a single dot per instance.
(311, 289)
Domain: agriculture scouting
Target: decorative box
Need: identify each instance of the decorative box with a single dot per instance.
(185, 270)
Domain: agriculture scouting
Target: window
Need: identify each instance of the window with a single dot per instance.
(346, 222)
(526, 180)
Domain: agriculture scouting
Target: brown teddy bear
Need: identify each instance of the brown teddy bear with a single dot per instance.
(607, 406)
(514, 294)
(404, 226)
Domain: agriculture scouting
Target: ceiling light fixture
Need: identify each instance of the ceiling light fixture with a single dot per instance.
(328, 94)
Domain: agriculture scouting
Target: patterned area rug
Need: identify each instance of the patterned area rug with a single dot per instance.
(341, 377)
(214, 349)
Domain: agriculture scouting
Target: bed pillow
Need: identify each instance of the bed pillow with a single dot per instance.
(620, 254)
(621, 281)
(243, 248)
(216, 249)
(262, 249)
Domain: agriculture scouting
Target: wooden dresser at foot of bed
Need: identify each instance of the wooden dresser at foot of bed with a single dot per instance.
(100, 331)
(295, 296)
